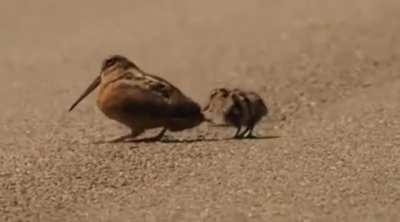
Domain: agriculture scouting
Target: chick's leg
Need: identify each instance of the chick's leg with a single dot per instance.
(243, 134)
(250, 134)
(237, 134)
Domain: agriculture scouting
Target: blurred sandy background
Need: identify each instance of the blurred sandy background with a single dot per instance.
(329, 70)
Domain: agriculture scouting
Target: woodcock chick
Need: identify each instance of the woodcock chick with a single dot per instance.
(235, 107)
(141, 100)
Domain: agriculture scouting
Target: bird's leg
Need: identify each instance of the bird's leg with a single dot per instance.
(247, 130)
(250, 134)
(157, 137)
(160, 135)
(237, 134)
(134, 133)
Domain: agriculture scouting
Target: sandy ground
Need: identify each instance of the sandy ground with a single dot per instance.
(329, 71)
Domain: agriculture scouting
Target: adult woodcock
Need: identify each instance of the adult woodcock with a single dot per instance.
(140, 100)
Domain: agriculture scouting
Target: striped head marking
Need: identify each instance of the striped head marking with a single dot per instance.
(117, 61)
(216, 96)
(219, 93)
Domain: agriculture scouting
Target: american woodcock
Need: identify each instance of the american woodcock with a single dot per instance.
(141, 100)
(235, 107)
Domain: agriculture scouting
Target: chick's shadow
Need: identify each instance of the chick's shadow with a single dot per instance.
(187, 141)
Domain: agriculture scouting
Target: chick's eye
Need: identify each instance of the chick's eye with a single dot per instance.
(225, 95)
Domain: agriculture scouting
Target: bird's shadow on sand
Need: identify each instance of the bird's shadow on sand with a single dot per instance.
(217, 139)
(187, 141)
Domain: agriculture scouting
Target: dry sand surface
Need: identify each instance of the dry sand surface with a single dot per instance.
(329, 71)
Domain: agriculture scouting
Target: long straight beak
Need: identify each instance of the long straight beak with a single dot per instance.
(92, 86)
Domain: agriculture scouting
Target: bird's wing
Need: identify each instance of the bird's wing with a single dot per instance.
(136, 100)
(149, 95)
(160, 80)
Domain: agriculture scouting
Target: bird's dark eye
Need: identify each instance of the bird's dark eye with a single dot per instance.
(110, 62)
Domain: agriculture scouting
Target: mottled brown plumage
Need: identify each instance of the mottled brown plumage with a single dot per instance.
(235, 107)
(141, 100)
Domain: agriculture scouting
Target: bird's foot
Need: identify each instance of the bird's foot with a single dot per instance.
(251, 136)
(121, 138)
(238, 136)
